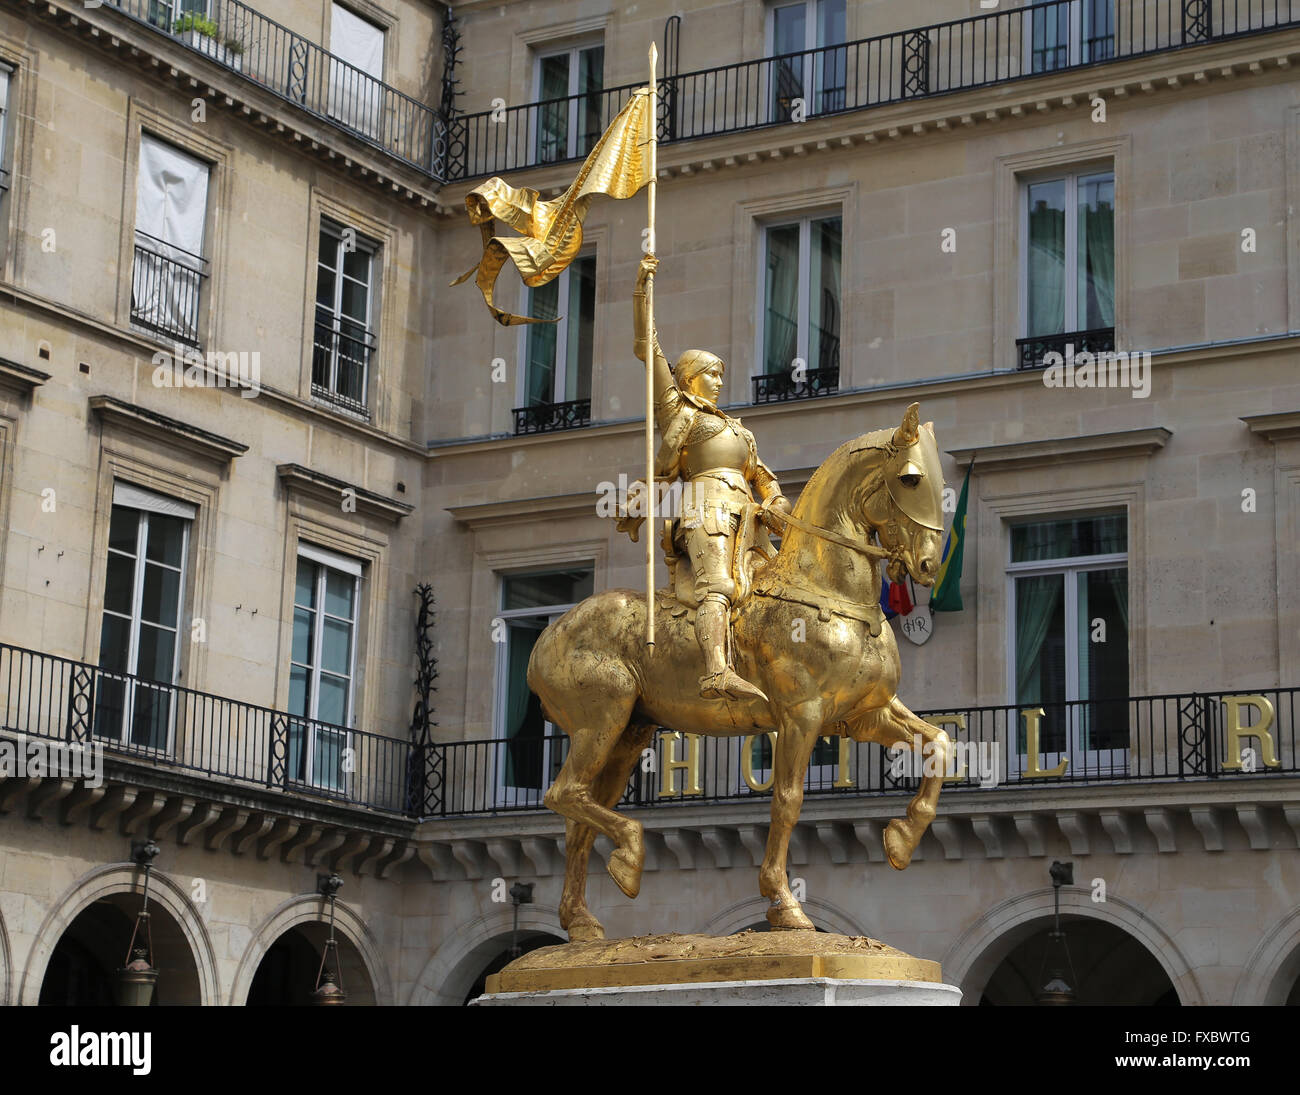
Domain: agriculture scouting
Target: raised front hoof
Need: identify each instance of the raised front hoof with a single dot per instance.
(625, 871)
(585, 931)
(788, 918)
(897, 846)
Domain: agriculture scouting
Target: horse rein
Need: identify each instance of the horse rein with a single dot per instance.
(834, 537)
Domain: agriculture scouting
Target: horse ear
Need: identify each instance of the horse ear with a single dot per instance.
(929, 426)
(909, 431)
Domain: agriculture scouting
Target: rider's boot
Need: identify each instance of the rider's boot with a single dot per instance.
(719, 681)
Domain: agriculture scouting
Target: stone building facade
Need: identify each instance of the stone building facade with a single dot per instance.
(860, 206)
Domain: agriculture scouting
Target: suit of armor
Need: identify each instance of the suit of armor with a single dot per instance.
(717, 460)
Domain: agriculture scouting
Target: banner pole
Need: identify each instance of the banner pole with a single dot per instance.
(650, 355)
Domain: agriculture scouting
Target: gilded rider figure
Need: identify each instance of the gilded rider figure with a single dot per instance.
(717, 460)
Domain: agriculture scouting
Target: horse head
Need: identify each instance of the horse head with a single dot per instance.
(907, 515)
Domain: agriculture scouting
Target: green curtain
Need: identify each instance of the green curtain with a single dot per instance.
(1046, 258)
(1096, 253)
(781, 311)
(523, 752)
(1036, 601)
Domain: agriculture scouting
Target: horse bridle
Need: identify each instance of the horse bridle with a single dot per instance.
(892, 554)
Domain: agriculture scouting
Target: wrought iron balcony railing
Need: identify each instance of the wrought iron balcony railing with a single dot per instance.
(917, 63)
(781, 387)
(1031, 351)
(302, 73)
(1132, 740)
(166, 288)
(921, 62)
(340, 366)
(547, 417)
(178, 728)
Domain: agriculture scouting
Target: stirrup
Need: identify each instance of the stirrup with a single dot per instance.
(727, 684)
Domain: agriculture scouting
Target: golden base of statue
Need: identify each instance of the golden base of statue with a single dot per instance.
(698, 959)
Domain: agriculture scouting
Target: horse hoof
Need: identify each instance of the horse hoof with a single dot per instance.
(585, 931)
(896, 846)
(625, 871)
(788, 918)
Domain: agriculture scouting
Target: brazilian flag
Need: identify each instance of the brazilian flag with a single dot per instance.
(947, 587)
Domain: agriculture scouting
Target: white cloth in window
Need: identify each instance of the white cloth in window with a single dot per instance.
(4, 132)
(356, 97)
(170, 211)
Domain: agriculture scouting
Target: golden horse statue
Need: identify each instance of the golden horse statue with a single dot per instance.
(599, 683)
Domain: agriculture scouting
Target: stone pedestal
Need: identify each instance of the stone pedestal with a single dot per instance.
(820, 992)
(786, 968)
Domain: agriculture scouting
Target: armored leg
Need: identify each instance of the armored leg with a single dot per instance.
(720, 680)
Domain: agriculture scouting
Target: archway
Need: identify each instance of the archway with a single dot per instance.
(1101, 963)
(1272, 973)
(528, 941)
(83, 966)
(286, 975)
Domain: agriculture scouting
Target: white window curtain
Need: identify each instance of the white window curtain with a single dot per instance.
(5, 73)
(170, 211)
(356, 97)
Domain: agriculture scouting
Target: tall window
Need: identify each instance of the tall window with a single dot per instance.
(1069, 266)
(530, 758)
(6, 73)
(323, 665)
(801, 303)
(344, 340)
(170, 216)
(818, 79)
(1062, 33)
(1069, 588)
(570, 115)
(356, 72)
(144, 590)
(558, 356)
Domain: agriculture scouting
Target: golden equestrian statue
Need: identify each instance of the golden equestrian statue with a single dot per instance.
(876, 497)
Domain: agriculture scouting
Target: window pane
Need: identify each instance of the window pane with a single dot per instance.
(788, 29)
(1102, 639)
(1040, 657)
(789, 35)
(591, 79)
(327, 254)
(298, 691)
(325, 288)
(336, 647)
(581, 328)
(1068, 539)
(115, 644)
(332, 706)
(339, 591)
(327, 762)
(1051, 36)
(160, 598)
(542, 590)
(356, 301)
(356, 265)
(157, 659)
(833, 64)
(1096, 275)
(303, 623)
(553, 117)
(123, 529)
(119, 583)
(304, 592)
(1099, 30)
(525, 725)
(543, 303)
(151, 717)
(166, 539)
(824, 295)
(1046, 273)
(781, 299)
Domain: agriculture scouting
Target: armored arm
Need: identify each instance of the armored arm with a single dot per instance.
(775, 504)
(664, 387)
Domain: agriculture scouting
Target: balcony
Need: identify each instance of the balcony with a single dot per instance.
(1137, 740)
(300, 72)
(198, 733)
(549, 417)
(166, 283)
(340, 365)
(1030, 352)
(783, 387)
(917, 63)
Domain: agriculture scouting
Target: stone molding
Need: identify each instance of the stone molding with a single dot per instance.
(308, 481)
(1121, 444)
(170, 431)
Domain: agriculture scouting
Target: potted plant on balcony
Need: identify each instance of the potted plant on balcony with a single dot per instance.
(201, 33)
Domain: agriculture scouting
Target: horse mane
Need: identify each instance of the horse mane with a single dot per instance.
(829, 477)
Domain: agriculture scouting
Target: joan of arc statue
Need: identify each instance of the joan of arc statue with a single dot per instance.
(717, 461)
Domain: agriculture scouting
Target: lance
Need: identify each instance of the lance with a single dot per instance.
(650, 357)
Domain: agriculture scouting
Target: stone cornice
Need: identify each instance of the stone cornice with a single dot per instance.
(304, 480)
(527, 510)
(1275, 427)
(1122, 444)
(20, 378)
(170, 431)
(1253, 814)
